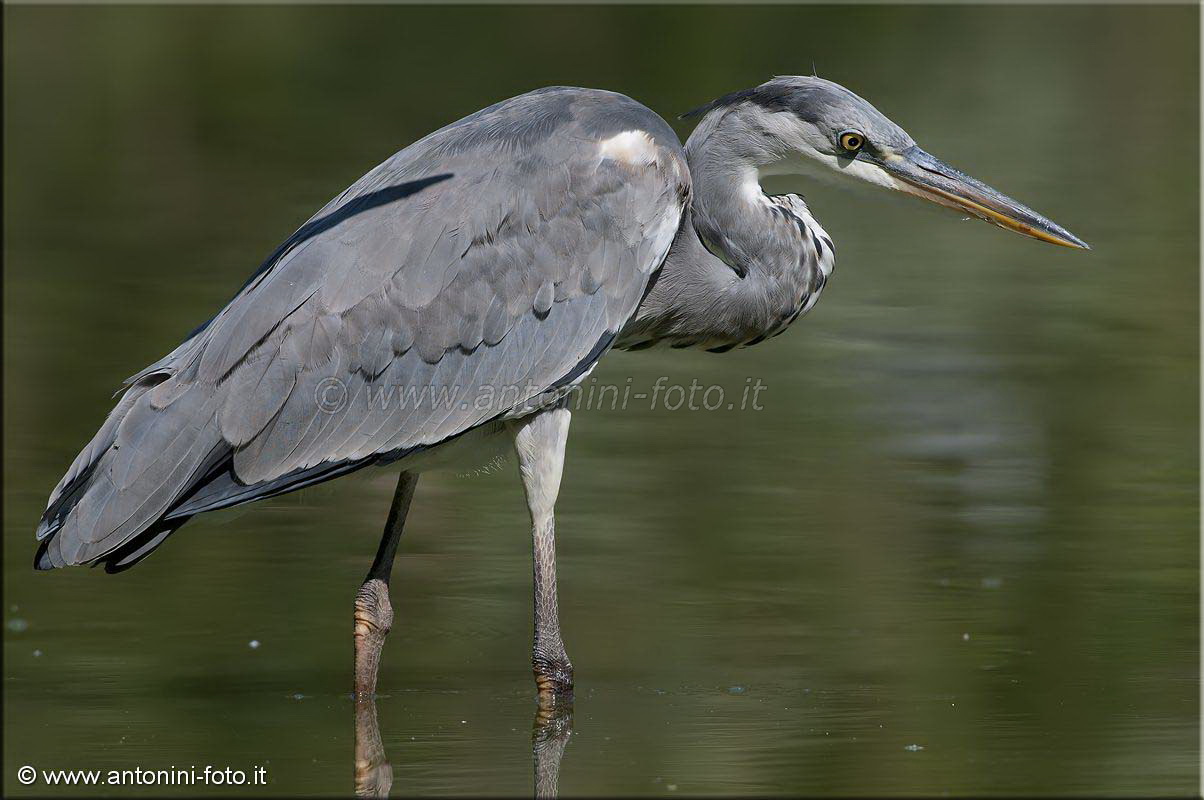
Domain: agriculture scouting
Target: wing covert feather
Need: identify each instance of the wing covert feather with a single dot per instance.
(497, 256)
(423, 293)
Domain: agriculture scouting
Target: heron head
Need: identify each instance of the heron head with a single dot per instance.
(808, 125)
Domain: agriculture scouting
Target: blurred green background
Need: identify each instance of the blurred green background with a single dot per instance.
(965, 521)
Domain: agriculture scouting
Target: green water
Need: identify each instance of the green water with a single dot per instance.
(957, 550)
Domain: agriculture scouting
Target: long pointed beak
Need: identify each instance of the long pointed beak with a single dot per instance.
(932, 179)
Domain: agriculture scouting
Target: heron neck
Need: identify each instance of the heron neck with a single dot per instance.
(733, 217)
(741, 265)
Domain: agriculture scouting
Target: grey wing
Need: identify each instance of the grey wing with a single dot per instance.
(464, 279)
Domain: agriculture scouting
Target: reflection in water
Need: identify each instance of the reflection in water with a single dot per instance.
(549, 736)
(967, 518)
(374, 775)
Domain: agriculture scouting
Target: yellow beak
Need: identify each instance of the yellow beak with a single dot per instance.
(930, 178)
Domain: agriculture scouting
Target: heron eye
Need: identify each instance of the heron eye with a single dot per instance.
(851, 141)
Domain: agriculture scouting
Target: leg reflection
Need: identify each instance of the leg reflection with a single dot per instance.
(551, 731)
(373, 775)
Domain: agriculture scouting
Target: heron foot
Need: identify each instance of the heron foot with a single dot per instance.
(373, 619)
(554, 680)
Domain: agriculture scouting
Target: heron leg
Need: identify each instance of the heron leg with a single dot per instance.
(373, 611)
(539, 441)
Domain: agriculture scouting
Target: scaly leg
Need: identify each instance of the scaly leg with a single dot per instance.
(373, 612)
(539, 441)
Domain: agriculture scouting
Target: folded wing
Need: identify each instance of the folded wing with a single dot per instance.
(465, 279)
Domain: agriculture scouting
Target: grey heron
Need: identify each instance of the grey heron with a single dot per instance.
(509, 250)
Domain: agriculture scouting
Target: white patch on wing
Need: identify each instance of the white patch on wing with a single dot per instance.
(630, 147)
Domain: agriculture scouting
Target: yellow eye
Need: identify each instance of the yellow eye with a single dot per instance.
(851, 141)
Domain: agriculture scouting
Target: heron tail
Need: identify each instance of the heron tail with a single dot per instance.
(158, 460)
(155, 445)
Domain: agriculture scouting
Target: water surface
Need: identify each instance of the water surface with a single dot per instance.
(957, 550)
